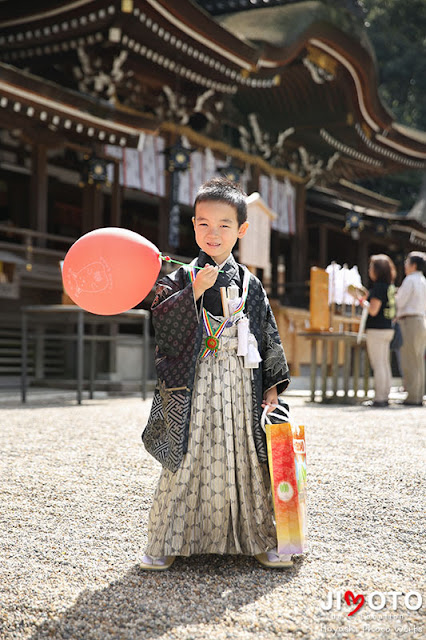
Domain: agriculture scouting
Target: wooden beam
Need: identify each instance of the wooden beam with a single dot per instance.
(227, 150)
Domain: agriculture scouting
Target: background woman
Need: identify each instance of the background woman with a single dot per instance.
(379, 329)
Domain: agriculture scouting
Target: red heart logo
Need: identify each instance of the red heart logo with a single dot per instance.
(351, 599)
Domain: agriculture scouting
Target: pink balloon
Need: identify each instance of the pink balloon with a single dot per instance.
(110, 270)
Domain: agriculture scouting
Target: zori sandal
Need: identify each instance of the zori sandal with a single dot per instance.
(156, 564)
(273, 560)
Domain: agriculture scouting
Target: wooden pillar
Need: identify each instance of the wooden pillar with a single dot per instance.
(98, 208)
(363, 258)
(113, 329)
(164, 205)
(163, 223)
(275, 250)
(253, 184)
(299, 266)
(93, 201)
(39, 190)
(116, 197)
(86, 220)
(323, 246)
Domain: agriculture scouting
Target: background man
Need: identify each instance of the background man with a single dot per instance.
(411, 315)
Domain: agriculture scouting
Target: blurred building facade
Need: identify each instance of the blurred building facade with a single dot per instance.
(113, 112)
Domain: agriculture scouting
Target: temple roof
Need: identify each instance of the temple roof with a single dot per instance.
(294, 84)
(30, 102)
(329, 205)
(222, 7)
(418, 211)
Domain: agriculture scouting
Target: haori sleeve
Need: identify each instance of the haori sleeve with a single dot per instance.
(274, 362)
(174, 315)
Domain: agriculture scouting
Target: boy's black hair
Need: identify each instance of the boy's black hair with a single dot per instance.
(419, 259)
(223, 190)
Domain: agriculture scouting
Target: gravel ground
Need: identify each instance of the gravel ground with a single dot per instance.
(76, 488)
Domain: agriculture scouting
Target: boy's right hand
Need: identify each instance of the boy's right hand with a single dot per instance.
(204, 280)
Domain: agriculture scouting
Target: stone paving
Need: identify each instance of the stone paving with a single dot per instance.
(76, 487)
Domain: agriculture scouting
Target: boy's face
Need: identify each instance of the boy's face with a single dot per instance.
(216, 229)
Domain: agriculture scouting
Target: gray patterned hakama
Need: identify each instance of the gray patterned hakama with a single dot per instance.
(219, 500)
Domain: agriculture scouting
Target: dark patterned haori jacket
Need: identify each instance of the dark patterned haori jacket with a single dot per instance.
(178, 332)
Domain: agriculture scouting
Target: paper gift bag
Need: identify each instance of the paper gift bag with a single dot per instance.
(287, 467)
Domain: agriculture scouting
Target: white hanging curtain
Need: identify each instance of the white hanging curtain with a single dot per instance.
(280, 196)
(143, 170)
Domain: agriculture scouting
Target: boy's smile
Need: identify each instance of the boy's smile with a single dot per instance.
(217, 229)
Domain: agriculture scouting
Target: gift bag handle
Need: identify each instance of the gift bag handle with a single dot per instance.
(265, 415)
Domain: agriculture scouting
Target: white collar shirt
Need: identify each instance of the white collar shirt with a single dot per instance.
(411, 296)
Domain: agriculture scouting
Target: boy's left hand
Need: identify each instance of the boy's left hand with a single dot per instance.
(270, 397)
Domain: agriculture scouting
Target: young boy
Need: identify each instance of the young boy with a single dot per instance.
(214, 375)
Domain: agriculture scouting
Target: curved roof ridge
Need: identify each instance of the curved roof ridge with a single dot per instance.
(409, 132)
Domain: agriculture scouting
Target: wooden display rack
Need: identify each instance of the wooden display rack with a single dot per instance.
(294, 326)
(318, 301)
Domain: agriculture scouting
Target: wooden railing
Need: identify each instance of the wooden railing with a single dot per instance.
(33, 245)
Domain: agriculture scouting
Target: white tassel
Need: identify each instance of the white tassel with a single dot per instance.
(247, 345)
(252, 359)
(243, 334)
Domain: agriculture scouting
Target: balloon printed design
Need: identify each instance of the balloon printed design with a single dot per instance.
(93, 278)
(110, 270)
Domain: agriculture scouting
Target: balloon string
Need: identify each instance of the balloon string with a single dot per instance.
(183, 264)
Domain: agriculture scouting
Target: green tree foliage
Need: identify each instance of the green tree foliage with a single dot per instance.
(397, 29)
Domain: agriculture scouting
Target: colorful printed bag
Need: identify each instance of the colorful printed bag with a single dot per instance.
(287, 467)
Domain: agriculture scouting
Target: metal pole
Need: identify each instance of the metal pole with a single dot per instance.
(80, 354)
(92, 360)
(346, 369)
(357, 351)
(39, 352)
(324, 370)
(366, 371)
(313, 367)
(335, 366)
(24, 356)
